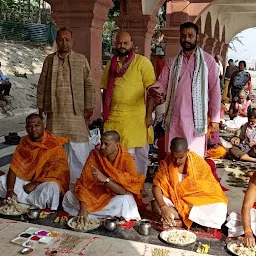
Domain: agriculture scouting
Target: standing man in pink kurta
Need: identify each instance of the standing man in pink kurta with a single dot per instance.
(190, 82)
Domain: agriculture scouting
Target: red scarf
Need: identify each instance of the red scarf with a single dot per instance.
(113, 73)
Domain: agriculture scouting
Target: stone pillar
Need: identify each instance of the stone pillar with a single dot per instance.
(210, 45)
(202, 40)
(172, 41)
(85, 20)
(224, 53)
(141, 27)
(218, 48)
(176, 14)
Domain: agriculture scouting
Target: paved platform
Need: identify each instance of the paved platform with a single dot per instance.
(86, 244)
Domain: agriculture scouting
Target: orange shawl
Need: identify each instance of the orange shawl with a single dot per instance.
(123, 171)
(198, 188)
(42, 161)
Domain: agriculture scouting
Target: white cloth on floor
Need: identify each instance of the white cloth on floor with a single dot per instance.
(44, 194)
(140, 155)
(210, 215)
(237, 122)
(120, 206)
(235, 223)
(77, 153)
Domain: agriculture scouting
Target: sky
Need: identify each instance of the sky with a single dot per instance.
(247, 51)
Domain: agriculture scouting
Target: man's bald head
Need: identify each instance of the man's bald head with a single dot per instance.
(113, 135)
(124, 43)
(123, 35)
(110, 143)
(179, 151)
(179, 145)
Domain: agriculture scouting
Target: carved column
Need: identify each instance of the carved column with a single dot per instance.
(202, 40)
(210, 45)
(141, 27)
(224, 53)
(218, 47)
(85, 19)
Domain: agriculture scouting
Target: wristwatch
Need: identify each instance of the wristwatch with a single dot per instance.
(107, 180)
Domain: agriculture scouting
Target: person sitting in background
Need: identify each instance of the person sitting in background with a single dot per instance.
(238, 112)
(244, 146)
(108, 183)
(215, 150)
(185, 189)
(39, 170)
(5, 86)
(245, 222)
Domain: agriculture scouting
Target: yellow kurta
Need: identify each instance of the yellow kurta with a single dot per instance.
(128, 108)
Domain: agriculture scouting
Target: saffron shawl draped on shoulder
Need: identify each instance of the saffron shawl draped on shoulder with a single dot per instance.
(42, 161)
(198, 188)
(123, 171)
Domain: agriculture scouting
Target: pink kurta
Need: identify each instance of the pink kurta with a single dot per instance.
(183, 122)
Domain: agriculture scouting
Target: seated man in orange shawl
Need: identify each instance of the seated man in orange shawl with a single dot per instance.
(39, 170)
(108, 183)
(185, 189)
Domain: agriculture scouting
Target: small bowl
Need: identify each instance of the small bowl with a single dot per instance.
(26, 250)
(110, 224)
(33, 213)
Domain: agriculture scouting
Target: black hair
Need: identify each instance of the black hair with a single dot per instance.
(242, 62)
(179, 145)
(251, 113)
(189, 25)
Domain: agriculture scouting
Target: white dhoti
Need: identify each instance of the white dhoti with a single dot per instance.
(77, 153)
(235, 223)
(47, 193)
(210, 215)
(140, 155)
(119, 206)
(236, 123)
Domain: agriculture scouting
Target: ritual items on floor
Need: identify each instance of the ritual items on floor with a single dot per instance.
(32, 236)
(82, 223)
(12, 207)
(238, 248)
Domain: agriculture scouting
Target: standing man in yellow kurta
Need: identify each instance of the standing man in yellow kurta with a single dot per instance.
(66, 94)
(125, 80)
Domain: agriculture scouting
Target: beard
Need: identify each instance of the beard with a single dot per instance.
(121, 52)
(186, 46)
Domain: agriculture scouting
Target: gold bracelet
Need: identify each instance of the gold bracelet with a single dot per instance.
(247, 230)
(11, 189)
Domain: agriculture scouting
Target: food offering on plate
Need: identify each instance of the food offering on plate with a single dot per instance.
(178, 237)
(83, 223)
(239, 249)
(13, 207)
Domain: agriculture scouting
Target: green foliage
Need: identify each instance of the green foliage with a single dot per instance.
(110, 27)
(33, 11)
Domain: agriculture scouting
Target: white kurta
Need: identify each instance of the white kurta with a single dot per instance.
(44, 194)
(119, 206)
(235, 223)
